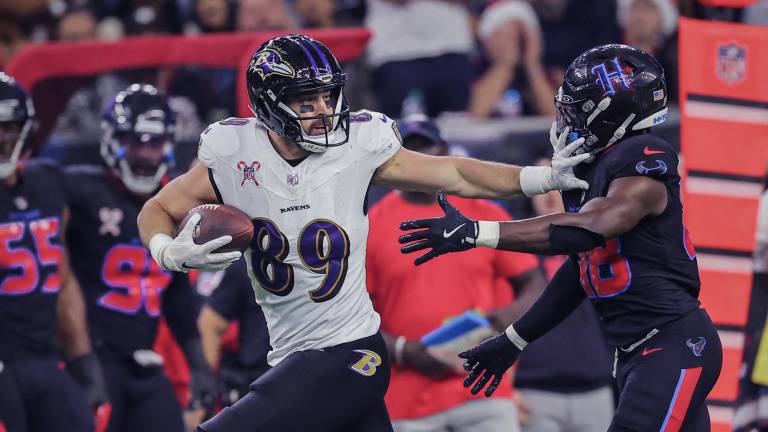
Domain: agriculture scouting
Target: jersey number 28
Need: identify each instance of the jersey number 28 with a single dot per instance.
(604, 271)
(323, 248)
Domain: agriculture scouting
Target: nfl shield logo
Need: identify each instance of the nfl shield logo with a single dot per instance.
(731, 62)
(293, 178)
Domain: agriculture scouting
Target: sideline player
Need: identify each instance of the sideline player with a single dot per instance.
(38, 295)
(301, 169)
(125, 290)
(629, 250)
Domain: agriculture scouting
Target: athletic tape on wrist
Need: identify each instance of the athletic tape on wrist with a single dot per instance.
(534, 179)
(399, 345)
(515, 338)
(488, 234)
(157, 245)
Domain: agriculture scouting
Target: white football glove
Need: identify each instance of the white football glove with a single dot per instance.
(182, 254)
(535, 180)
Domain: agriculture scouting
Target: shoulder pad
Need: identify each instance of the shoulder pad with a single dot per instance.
(221, 139)
(643, 155)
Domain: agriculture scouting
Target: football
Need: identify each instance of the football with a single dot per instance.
(218, 220)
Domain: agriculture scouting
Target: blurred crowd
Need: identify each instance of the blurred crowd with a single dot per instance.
(487, 58)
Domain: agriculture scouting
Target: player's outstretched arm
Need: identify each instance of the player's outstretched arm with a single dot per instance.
(490, 360)
(160, 215)
(629, 199)
(472, 178)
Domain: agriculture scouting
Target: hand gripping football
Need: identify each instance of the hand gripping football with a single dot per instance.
(218, 220)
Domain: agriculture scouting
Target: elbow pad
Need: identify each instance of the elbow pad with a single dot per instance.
(568, 240)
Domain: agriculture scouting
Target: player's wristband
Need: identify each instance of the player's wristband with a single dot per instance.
(534, 180)
(515, 338)
(157, 245)
(399, 345)
(487, 234)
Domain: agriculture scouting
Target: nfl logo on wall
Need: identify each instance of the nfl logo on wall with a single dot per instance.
(731, 62)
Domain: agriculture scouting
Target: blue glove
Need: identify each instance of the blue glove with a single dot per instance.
(491, 358)
(453, 232)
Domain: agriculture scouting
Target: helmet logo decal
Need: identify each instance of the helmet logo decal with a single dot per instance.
(587, 106)
(606, 79)
(268, 62)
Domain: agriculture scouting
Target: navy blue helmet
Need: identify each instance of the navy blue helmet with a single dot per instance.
(17, 119)
(289, 66)
(609, 92)
(137, 137)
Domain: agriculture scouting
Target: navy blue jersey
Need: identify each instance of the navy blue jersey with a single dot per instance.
(647, 277)
(123, 287)
(30, 251)
(233, 299)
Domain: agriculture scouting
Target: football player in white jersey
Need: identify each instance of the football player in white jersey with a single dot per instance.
(301, 170)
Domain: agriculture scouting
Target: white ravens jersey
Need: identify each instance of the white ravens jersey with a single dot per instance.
(307, 259)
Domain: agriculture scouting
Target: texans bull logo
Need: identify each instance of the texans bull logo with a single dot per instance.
(697, 347)
(268, 62)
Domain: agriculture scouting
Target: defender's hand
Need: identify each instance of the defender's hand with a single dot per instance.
(491, 359)
(183, 254)
(86, 369)
(203, 389)
(453, 232)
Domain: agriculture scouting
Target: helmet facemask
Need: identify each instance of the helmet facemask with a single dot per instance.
(141, 159)
(13, 135)
(288, 123)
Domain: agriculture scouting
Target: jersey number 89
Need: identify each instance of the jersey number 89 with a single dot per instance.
(323, 248)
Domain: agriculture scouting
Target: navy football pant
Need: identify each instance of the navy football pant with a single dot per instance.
(142, 398)
(663, 383)
(337, 389)
(38, 394)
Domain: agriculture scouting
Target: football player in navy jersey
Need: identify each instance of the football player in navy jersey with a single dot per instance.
(630, 253)
(125, 290)
(38, 295)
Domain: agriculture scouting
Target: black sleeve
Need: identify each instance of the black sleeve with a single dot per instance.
(561, 297)
(227, 298)
(644, 155)
(180, 309)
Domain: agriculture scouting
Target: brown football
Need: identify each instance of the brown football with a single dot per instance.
(218, 220)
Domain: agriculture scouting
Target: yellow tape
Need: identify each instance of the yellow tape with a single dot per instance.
(760, 372)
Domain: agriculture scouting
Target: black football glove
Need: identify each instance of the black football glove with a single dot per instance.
(203, 383)
(86, 370)
(453, 232)
(491, 358)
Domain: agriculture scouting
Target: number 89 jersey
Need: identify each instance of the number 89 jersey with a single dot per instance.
(648, 276)
(307, 259)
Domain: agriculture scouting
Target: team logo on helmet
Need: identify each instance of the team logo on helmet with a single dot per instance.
(268, 62)
(731, 63)
(606, 79)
